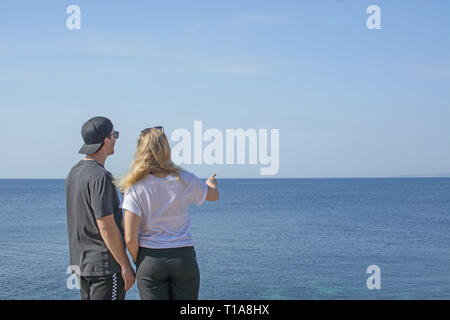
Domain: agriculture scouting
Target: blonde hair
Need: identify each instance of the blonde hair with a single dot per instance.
(152, 156)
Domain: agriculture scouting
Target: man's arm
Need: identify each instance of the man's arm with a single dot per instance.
(113, 240)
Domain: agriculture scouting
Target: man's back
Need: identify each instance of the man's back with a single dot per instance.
(91, 195)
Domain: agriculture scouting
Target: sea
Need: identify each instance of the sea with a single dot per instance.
(280, 239)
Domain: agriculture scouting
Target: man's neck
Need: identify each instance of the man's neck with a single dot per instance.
(100, 158)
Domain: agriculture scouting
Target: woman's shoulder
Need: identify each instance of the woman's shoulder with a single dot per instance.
(141, 185)
(186, 175)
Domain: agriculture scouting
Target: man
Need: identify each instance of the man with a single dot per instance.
(94, 219)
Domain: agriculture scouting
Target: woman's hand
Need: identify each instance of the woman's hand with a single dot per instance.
(213, 192)
(212, 182)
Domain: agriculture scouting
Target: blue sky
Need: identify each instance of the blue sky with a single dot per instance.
(348, 101)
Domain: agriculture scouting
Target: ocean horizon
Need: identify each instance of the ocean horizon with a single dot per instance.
(430, 176)
(266, 238)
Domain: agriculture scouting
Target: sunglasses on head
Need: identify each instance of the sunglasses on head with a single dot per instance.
(160, 128)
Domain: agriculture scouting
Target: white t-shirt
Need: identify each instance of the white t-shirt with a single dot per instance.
(162, 204)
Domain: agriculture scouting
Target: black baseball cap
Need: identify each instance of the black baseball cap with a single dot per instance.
(94, 132)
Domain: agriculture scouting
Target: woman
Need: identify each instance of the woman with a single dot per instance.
(157, 194)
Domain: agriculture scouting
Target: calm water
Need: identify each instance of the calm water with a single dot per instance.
(265, 239)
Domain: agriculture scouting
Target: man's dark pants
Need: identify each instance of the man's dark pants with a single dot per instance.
(102, 287)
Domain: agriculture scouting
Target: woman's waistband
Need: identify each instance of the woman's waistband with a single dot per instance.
(166, 252)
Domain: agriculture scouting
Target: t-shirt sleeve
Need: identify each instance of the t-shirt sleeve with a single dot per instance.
(103, 196)
(199, 190)
(130, 202)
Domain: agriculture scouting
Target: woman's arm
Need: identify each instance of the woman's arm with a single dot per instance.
(131, 228)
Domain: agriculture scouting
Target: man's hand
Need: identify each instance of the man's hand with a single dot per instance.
(128, 276)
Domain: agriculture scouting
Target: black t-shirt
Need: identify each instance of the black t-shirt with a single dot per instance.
(91, 195)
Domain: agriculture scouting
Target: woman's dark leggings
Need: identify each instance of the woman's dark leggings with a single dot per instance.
(164, 274)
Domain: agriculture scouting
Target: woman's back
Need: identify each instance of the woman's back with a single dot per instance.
(162, 204)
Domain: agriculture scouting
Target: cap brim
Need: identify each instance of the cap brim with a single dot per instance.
(90, 148)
